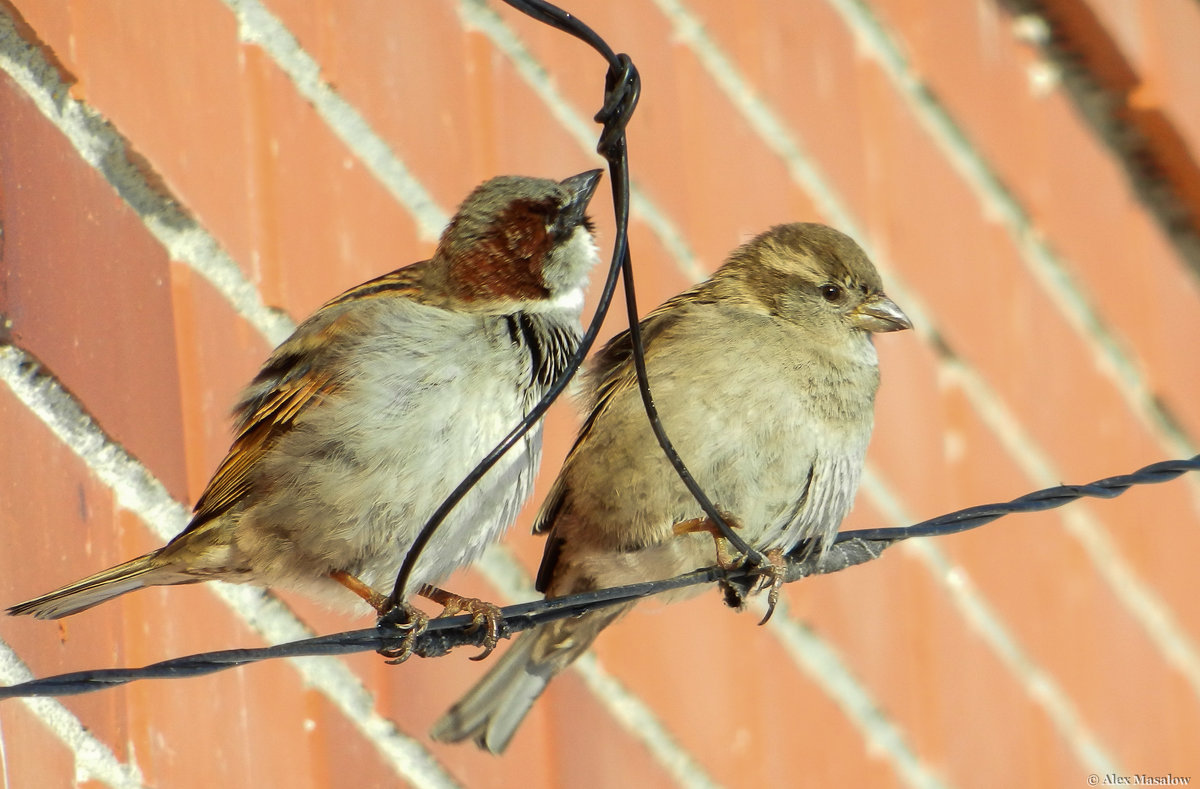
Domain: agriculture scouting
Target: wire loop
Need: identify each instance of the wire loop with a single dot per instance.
(618, 105)
(622, 89)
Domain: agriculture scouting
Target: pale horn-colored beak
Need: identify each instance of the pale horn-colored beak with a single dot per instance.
(879, 314)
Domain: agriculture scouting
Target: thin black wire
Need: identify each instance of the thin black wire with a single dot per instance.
(1049, 498)
(621, 92)
(850, 549)
(623, 87)
(555, 17)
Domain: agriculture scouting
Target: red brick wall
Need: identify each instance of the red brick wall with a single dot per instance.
(182, 179)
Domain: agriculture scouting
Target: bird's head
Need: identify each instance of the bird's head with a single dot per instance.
(817, 278)
(520, 243)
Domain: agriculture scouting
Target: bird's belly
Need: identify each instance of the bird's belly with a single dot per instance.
(362, 486)
(787, 481)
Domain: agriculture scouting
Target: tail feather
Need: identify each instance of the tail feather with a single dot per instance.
(95, 589)
(492, 710)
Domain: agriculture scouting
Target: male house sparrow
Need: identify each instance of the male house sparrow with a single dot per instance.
(364, 420)
(764, 377)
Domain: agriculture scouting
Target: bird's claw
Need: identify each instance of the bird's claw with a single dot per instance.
(773, 573)
(483, 614)
(412, 622)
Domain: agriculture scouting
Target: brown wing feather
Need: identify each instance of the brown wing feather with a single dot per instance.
(299, 374)
(610, 372)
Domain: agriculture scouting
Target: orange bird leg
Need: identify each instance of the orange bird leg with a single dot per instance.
(373, 598)
(773, 572)
(725, 560)
(417, 620)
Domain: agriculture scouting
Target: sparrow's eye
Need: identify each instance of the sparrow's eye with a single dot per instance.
(831, 292)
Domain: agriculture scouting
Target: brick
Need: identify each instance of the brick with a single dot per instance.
(82, 282)
(259, 168)
(34, 756)
(1156, 39)
(1066, 179)
(170, 77)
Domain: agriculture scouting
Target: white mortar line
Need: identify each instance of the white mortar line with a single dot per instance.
(103, 148)
(258, 26)
(1050, 270)
(828, 671)
(1039, 684)
(1143, 603)
(94, 761)
(136, 490)
(1163, 629)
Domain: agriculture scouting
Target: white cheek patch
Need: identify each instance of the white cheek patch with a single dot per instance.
(579, 254)
(588, 241)
(571, 300)
(582, 247)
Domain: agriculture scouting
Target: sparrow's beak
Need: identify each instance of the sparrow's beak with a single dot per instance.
(879, 313)
(581, 187)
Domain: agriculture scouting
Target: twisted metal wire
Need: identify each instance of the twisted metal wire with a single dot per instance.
(622, 90)
(850, 549)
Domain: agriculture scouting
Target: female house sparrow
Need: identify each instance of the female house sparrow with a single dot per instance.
(764, 377)
(363, 421)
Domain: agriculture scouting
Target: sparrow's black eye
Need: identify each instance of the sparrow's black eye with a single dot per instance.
(831, 292)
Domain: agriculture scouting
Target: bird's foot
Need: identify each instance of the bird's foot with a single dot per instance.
(735, 592)
(483, 614)
(773, 574)
(773, 571)
(411, 622)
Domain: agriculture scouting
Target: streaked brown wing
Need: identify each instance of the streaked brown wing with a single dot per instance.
(300, 373)
(403, 283)
(611, 373)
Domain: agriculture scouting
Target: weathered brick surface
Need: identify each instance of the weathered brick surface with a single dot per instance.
(1058, 341)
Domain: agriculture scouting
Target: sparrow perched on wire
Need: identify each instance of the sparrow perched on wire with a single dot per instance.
(364, 420)
(764, 377)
